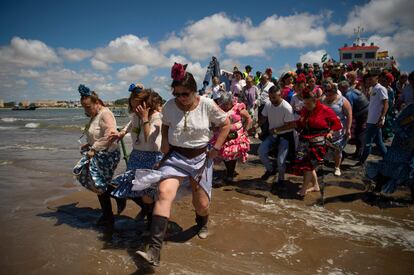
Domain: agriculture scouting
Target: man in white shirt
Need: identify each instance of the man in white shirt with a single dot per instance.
(264, 86)
(279, 115)
(377, 108)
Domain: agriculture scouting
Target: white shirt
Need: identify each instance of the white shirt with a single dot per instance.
(196, 134)
(297, 105)
(216, 92)
(377, 95)
(136, 128)
(264, 92)
(238, 87)
(99, 128)
(278, 115)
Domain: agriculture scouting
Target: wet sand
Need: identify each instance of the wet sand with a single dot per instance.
(48, 226)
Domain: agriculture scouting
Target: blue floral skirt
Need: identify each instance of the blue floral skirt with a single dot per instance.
(123, 182)
(96, 173)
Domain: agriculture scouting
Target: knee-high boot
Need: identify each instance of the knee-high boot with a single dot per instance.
(158, 228)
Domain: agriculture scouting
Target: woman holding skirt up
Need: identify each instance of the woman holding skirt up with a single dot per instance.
(186, 122)
(100, 156)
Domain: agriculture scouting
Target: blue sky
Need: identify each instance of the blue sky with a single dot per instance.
(48, 47)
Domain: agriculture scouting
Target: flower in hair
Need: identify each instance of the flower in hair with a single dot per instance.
(308, 93)
(136, 88)
(178, 71)
(301, 78)
(83, 90)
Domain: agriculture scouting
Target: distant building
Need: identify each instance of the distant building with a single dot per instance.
(1, 103)
(46, 103)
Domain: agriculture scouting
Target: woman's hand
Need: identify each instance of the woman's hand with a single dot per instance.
(165, 147)
(348, 134)
(91, 153)
(143, 111)
(116, 136)
(213, 153)
(329, 136)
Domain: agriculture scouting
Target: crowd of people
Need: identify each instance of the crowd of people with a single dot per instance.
(303, 119)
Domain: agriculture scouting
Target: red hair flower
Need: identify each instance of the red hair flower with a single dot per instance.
(301, 78)
(178, 71)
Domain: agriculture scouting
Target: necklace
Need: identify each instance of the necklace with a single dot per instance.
(186, 113)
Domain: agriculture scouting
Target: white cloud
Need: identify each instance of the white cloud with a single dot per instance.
(250, 48)
(74, 55)
(228, 64)
(280, 31)
(201, 39)
(129, 49)
(161, 84)
(381, 16)
(100, 65)
(21, 82)
(312, 57)
(133, 73)
(297, 30)
(28, 73)
(27, 53)
(286, 68)
(399, 45)
(197, 71)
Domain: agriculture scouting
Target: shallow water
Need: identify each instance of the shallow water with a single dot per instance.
(48, 219)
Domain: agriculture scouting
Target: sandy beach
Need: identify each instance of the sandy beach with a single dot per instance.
(48, 219)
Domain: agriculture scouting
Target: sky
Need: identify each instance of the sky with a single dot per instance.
(48, 48)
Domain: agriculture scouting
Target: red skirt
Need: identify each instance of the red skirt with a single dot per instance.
(308, 156)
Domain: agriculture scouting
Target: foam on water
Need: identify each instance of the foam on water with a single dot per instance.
(6, 162)
(348, 224)
(28, 147)
(8, 127)
(32, 125)
(286, 251)
(9, 119)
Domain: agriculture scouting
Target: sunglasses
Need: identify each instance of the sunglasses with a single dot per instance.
(181, 95)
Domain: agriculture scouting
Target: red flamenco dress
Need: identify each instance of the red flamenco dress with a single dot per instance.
(313, 126)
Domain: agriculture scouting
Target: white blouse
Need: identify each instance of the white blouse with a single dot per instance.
(136, 128)
(98, 130)
(192, 129)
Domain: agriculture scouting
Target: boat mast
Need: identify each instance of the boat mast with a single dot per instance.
(358, 40)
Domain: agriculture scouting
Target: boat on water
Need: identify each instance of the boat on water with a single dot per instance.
(367, 54)
(24, 108)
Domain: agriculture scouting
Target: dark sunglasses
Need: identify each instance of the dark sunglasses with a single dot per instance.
(181, 95)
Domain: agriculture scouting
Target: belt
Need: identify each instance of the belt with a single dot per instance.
(188, 152)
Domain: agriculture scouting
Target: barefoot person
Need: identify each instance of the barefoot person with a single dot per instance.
(186, 122)
(100, 156)
(317, 122)
(145, 129)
